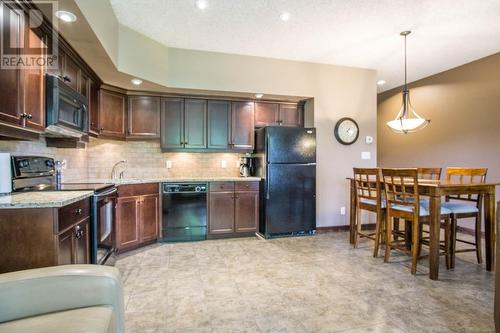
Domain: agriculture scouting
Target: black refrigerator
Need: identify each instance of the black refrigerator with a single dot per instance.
(286, 159)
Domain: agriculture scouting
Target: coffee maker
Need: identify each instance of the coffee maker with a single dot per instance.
(247, 166)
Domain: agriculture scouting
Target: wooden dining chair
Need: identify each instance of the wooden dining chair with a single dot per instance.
(429, 173)
(369, 198)
(465, 206)
(403, 202)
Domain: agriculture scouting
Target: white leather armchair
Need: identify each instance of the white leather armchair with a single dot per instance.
(73, 298)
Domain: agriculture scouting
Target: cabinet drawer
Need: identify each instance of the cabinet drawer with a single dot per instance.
(138, 189)
(221, 186)
(247, 186)
(73, 213)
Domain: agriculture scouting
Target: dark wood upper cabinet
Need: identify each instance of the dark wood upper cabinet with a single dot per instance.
(290, 115)
(112, 114)
(94, 107)
(172, 123)
(10, 79)
(143, 117)
(219, 124)
(266, 114)
(242, 125)
(71, 72)
(195, 119)
(22, 92)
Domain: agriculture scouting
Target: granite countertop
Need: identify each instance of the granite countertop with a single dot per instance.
(127, 181)
(42, 199)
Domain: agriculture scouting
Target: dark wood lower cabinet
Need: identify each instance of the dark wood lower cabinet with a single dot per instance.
(246, 211)
(233, 209)
(137, 215)
(221, 213)
(41, 237)
(73, 244)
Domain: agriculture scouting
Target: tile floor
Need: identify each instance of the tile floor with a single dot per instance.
(306, 284)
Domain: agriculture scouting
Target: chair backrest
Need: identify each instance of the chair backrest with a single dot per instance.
(466, 176)
(368, 186)
(401, 188)
(429, 173)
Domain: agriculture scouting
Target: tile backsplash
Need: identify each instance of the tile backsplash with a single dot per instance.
(76, 159)
(143, 159)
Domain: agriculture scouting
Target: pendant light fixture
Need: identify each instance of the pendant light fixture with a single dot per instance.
(407, 120)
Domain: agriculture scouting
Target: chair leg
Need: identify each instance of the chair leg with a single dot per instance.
(378, 228)
(479, 246)
(414, 246)
(408, 234)
(396, 227)
(453, 240)
(447, 239)
(388, 235)
(420, 233)
(358, 228)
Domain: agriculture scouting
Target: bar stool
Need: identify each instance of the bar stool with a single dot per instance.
(403, 201)
(465, 206)
(369, 198)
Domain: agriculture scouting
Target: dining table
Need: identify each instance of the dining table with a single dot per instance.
(436, 190)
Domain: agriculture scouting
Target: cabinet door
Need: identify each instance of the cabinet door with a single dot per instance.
(65, 247)
(143, 117)
(242, 125)
(93, 107)
(112, 114)
(266, 114)
(10, 79)
(149, 217)
(219, 124)
(290, 115)
(81, 239)
(246, 211)
(71, 72)
(127, 222)
(195, 120)
(34, 86)
(172, 123)
(221, 212)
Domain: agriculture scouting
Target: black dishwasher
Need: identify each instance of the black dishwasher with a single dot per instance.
(184, 212)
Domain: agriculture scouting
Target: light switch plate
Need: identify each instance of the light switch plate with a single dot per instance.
(366, 155)
(169, 164)
(342, 210)
(223, 164)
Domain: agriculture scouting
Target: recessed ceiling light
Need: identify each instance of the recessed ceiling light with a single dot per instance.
(65, 16)
(201, 4)
(259, 95)
(380, 82)
(136, 81)
(285, 16)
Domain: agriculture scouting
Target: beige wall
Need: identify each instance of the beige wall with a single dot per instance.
(464, 107)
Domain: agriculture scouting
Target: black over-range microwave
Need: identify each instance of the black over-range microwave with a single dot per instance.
(67, 109)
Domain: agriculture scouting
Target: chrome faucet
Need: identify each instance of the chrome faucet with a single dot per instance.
(113, 171)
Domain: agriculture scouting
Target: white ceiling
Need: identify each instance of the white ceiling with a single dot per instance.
(360, 33)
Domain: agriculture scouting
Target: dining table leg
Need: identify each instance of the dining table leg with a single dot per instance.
(489, 228)
(352, 212)
(434, 226)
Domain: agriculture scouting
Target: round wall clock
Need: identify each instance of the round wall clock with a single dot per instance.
(346, 131)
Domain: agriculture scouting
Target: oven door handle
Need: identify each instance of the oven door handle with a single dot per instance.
(103, 194)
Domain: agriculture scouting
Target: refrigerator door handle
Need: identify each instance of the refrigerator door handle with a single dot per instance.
(267, 183)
